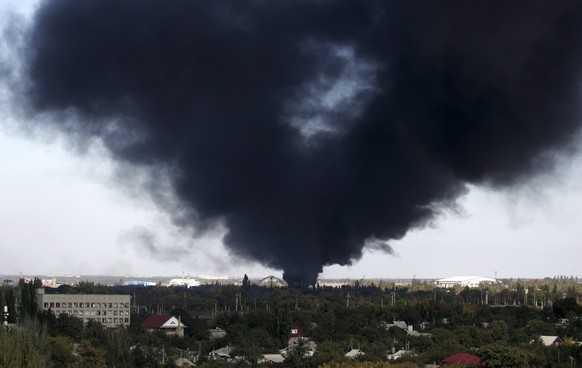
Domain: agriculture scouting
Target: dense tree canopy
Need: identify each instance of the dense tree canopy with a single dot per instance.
(258, 320)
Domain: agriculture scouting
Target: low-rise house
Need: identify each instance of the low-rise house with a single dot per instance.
(464, 359)
(562, 323)
(216, 333)
(296, 331)
(551, 341)
(297, 337)
(167, 323)
(399, 354)
(354, 353)
(272, 358)
(399, 324)
(309, 346)
(225, 354)
(402, 325)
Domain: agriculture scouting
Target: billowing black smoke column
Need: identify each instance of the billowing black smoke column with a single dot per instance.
(312, 129)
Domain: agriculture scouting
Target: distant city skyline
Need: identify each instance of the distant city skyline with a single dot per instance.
(71, 210)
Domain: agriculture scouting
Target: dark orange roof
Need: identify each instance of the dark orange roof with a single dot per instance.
(464, 358)
(296, 331)
(156, 321)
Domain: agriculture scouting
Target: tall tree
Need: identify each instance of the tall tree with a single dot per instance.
(246, 283)
(502, 356)
(28, 306)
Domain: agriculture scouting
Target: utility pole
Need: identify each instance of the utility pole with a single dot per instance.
(163, 354)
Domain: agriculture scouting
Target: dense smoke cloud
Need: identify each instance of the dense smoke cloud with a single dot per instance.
(312, 129)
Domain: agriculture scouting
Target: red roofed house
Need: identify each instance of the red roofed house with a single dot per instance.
(170, 324)
(464, 359)
(296, 335)
(296, 331)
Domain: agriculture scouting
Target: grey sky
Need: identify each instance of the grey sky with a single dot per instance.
(62, 214)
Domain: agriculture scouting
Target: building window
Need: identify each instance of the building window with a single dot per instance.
(46, 304)
(75, 305)
(81, 305)
(52, 304)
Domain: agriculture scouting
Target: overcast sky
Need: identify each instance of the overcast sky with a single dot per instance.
(62, 213)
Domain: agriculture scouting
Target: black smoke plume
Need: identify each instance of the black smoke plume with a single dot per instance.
(312, 128)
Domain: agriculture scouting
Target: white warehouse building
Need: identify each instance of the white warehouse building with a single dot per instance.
(470, 281)
(184, 282)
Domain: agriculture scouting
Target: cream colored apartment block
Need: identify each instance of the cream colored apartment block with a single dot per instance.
(109, 310)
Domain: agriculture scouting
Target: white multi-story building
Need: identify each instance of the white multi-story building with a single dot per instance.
(108, 309)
